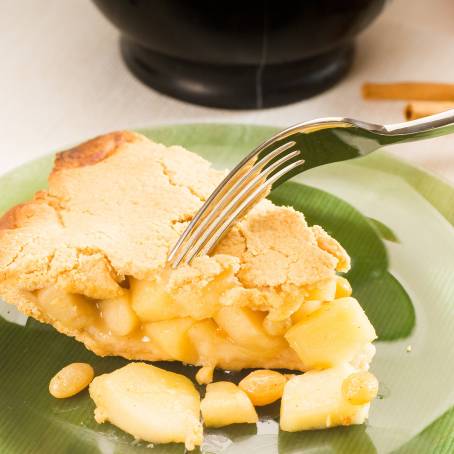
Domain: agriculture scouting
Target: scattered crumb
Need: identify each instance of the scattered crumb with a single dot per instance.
(204, 375)
(408, 349)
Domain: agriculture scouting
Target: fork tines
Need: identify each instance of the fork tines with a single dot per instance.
(241, 189)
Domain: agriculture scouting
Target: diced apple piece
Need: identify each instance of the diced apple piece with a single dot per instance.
(73, 311)
(245, 328)
(331, 335)
(343, 287)
(314, 400)
(151, 302)
(118, 315)
(306, 308)
(203, 300)
(213, 346)
(323, 291)
(171, 336)
(276, 327)
(225, 403)
(216, 349)
(151, 404)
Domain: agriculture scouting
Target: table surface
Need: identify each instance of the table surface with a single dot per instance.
(63, 81)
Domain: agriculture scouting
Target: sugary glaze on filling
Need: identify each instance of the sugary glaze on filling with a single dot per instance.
(90, 252)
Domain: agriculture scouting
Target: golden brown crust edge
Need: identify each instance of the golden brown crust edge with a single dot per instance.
(87, 153)
(92, 151)
(10, 220)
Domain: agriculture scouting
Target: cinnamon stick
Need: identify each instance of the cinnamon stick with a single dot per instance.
(419, 109)
(418, 91)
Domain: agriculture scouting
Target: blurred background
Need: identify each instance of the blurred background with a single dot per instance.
(74, 69)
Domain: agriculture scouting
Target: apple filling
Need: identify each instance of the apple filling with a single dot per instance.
(216, 322)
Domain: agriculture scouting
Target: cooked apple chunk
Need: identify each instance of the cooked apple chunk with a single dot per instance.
(69, 309)
(172, 337)
(216, 349)
(118, 315)
(151, 404)
(225, 403)
(323, 291)
(245, 328)
(151, 302)
(331, 335)
(317, 400)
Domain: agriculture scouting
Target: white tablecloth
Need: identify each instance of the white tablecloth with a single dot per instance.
(62, 79)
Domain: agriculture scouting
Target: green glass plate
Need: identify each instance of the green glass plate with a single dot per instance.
(396, 222)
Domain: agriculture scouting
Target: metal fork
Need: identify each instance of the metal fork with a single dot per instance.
(284, 155)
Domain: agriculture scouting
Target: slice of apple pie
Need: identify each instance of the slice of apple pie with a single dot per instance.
(88, 255)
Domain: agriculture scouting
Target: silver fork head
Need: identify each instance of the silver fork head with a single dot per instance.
(279, 158)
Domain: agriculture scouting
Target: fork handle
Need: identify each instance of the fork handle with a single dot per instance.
(432, 126)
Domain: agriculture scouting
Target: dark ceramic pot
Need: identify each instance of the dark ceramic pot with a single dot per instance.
(239, 54)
